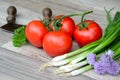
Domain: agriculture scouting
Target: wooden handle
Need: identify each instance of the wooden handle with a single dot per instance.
(12, 11)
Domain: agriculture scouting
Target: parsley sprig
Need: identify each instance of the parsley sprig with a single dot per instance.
(19, 37)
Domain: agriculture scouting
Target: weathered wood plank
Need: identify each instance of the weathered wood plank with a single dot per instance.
(92, 74)
(22, 67)
(61, 7)
(23, 63)
(23, 15)
(39, 54)
(10, 66)
(31, 51)
(4, 37)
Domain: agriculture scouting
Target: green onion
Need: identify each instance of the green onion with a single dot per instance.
(117, 54)
(81, 70)
(70, 67)
(89, 67)
(108, 15)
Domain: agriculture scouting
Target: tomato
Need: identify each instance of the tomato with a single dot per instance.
(67, 25)
(35, 32)
(56, 43)
(89, 34)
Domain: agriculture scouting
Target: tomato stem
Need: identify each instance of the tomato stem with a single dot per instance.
(57, 22)
(83, 23)
(80, 14)
(46, 22)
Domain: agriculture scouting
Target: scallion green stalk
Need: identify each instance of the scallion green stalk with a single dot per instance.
(70, 67)
(117, 54)
(114, 47)
(80, 71)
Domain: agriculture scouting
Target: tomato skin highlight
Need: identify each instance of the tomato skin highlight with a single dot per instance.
(35, 31)
(87, 35)
(57, 43)
(68, 25)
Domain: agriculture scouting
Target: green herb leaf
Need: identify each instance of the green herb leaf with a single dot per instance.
(19, 37)
(108, 14)
(117, 16)
(111, 25)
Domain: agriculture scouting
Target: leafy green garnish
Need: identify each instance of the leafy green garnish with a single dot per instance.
(19, 37)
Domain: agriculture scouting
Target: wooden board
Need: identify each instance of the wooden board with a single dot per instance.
(19, 64)
(39, 54)
(31, 51)
(16, 66)
(28, 52)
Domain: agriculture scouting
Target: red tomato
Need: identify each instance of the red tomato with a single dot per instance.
(35, 32)
(87, 35)
(57, 43)
(67, 25)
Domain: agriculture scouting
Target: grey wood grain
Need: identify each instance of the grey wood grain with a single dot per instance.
(4, 36)
(19, 67)
(23, 63)
(62, 7)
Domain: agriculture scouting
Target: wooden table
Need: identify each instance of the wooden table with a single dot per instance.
(23, 63)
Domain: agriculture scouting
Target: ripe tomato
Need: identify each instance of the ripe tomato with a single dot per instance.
(67, 25)
(35, 32)
(89, 34)
(56, 43)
